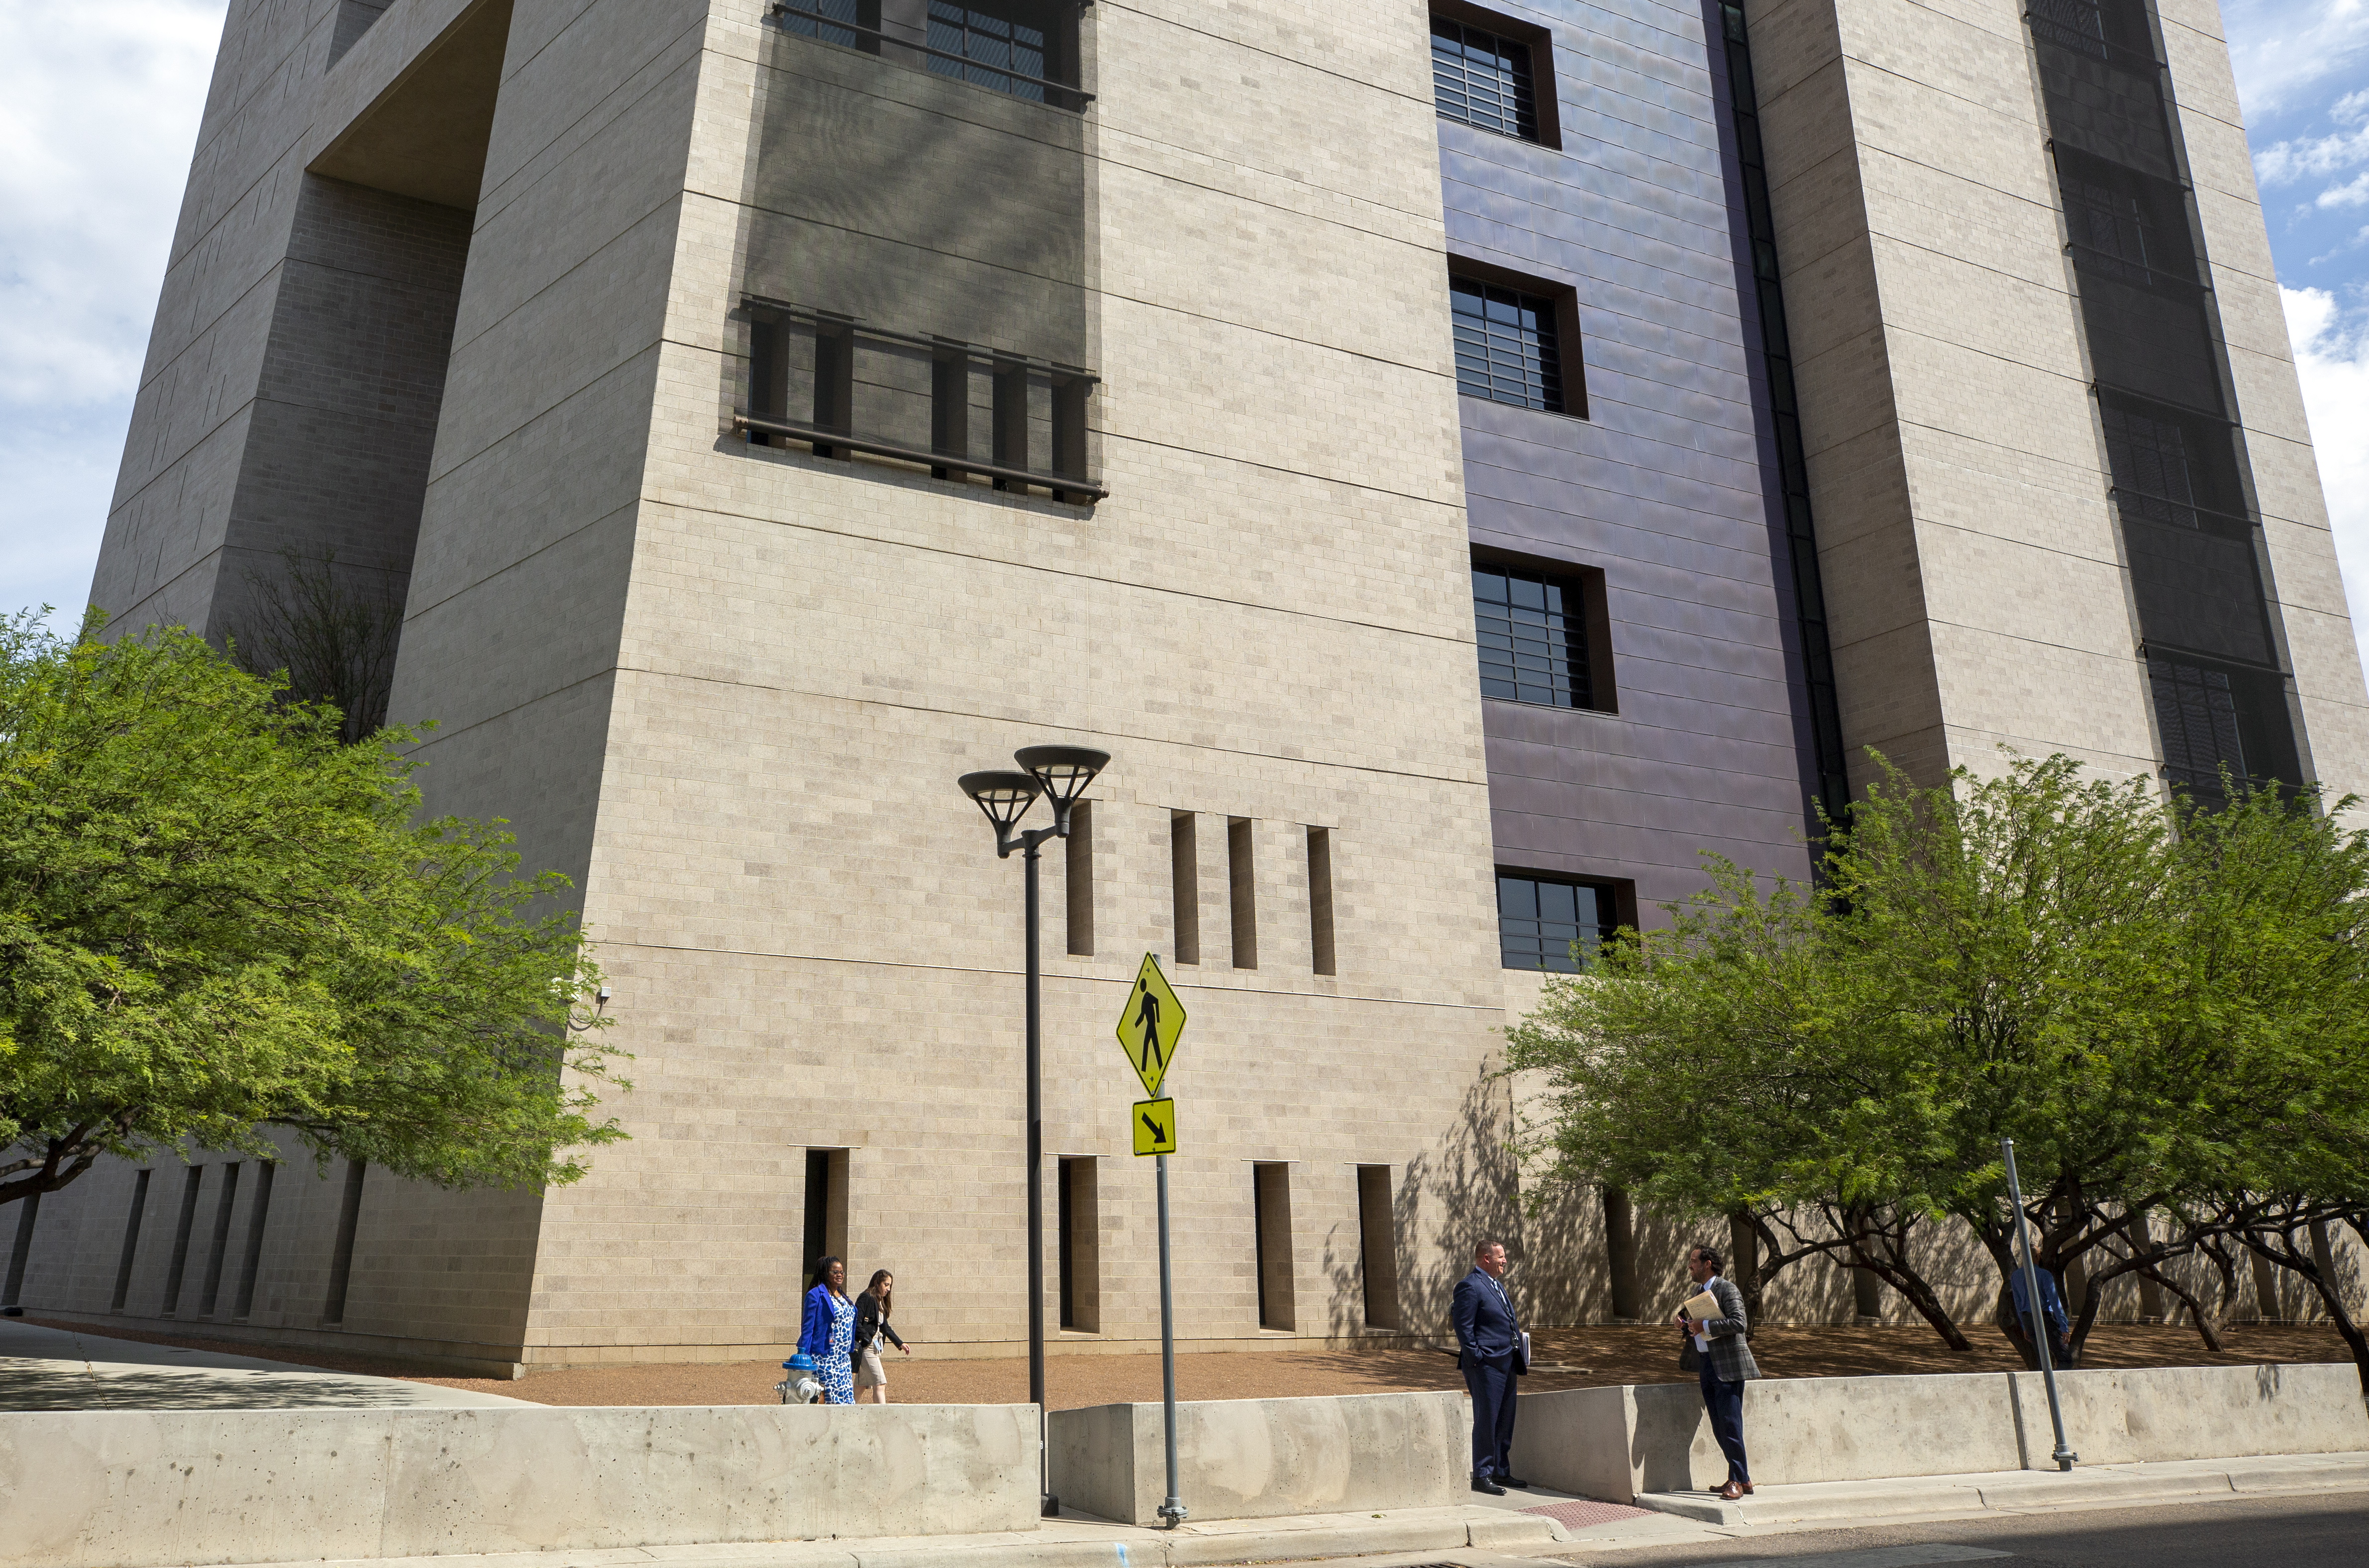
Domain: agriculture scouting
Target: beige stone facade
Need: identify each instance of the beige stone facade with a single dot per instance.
(727, 687)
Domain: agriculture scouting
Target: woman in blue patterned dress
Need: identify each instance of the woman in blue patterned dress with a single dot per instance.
(829, 1333)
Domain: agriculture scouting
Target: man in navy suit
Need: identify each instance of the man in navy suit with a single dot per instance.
(1489, 1349)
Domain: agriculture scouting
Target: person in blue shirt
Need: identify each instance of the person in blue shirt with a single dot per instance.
(2052, 1307)
(828, 1334)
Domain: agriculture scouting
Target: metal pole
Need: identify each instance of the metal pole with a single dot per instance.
(2063, 1455)
(1173, 1510)
(1050, 1504)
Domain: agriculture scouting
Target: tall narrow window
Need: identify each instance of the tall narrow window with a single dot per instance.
(29, 1211)
(1482, 79)
(1078, 879)
(1508, 348)
(1541, 921)
(1533, 635)
(1320, 900)
(826, 1210)
(191, 1180)
(215, 1254)
(1378, 1247)
(1079, 1249)
(130, 1241)
(2196, 708)
(341, 1260)
(1242, 891)
(1184, 886)
(251, 1264)
(1271, 1238)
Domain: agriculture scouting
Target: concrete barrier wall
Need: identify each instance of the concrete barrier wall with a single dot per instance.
(131, 1489)
(1259, 1458)
(1614, 1443)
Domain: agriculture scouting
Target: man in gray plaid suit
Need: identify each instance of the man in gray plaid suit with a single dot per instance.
(1716, 1348)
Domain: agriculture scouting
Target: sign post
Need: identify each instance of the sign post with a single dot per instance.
(1148, 1027)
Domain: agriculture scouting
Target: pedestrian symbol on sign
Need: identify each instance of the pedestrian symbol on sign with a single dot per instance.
(1150, 1025)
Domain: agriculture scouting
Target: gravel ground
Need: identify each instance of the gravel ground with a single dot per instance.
(1569, 1358)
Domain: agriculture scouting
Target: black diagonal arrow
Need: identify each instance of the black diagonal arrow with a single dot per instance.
(1158, 1133)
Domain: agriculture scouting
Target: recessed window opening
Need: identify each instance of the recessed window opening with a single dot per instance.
(1184, 886)
(1271, 1242)
(1080, 1251)
(1541, 919)
(191, 1180)
(2196, 709)
(1078, 879)
(1377, 1253)
(258, 1212)
(1242, 891)
(1533, 638)
(28, 1212)
(1482, 79)
(130, 1241)
(825, 1233)
(1024, 48)
(1320, 900)
(341, 1260)
(216, 1252)
(1507, 346)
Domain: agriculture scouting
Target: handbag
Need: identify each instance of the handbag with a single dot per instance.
(1521, 1353)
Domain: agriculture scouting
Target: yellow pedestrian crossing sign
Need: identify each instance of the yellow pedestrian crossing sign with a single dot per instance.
(1155, 1127)
(1149, 1026)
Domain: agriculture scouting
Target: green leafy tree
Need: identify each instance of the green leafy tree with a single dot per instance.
(217, 921)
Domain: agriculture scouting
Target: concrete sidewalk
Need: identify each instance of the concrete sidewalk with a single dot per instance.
(1491, 1534)
(47, 1369)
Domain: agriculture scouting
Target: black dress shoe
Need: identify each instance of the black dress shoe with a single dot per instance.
(1513, 1482)
(1482, 1483)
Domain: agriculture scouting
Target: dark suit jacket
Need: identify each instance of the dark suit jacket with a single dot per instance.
(1731, 1357)
(1484, 1317)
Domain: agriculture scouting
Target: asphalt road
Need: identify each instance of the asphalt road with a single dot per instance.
(2278, 1532)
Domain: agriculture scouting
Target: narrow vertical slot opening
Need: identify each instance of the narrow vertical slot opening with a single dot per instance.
(834, 382)
(216, 1252)
(1378, 1249)
(949, 405)
(192, 1180)
(826, 1210)
(1081, 1253)
(1271, 1235)
(1241, 890)
(1320, 900)
(130, 1241)
(1009, 418)
(1184, 886)
(342, 1261)
(257, 1213)
(1078, 879)
(29, 1214)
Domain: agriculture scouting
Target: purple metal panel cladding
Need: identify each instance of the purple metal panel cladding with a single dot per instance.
(1665, 487)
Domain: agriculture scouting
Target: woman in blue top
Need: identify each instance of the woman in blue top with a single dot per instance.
(829, 1332)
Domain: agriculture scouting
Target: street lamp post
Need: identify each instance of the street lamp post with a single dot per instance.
(1061, 773)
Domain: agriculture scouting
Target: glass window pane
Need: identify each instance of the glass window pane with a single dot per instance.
(1531, 640)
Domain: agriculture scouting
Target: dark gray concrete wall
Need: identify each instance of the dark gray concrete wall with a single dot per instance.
(1663, 487)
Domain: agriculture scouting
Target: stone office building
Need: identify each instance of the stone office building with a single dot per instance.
(1460, 460)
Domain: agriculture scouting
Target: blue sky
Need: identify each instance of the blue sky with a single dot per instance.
(99, 110)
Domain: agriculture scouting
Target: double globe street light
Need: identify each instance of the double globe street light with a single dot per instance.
(1059, 774)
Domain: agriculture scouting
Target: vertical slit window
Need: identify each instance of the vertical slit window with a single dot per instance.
(1080, 1255)
(258, 1212)
(1078, 879)
(1507, 346)
(1184, 886)
(1271, 1237)
(1540, 920)
(1481, 79)
(224, 1212)
(825, 1233)
(1242, 892)
(130, 1241)
(341, 1260)
(1378, 1252)
(192, 1180)
(1533, 636)
(29, 1213)
(1320, 900)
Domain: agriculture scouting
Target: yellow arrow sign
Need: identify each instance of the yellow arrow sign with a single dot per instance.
(1155, 1127)
(1150, 1025)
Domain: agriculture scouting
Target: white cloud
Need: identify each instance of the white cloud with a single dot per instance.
(2331, 350)
(2281, 47)
(2305, 157)
(2354, 194)
(99, 113)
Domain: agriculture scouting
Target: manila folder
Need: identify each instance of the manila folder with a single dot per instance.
(1703, 1307)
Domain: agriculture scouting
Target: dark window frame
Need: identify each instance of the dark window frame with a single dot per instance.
(1538, 40)
(1619, 897)
(1563, 299)
(1583, 587)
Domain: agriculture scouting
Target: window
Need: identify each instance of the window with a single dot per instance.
(1378, 1250)
(1078, 1240)
(1320, 899)
(258, 1212)
(1483, 79)
(2196, 708)
(1541, 919)
(219, 1252)
(1025, 47)
(1533, 635)
(1078, 879)
(342, 1259)
(1271, 1243)
(992, 51)
(191, 1181)
(1507, 348)
(130, 1242)
(825, 1233)
(29, 1213)
(1242, 891)
(1184, 886)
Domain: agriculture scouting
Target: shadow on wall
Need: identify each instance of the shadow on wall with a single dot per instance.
(1470, 1187)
